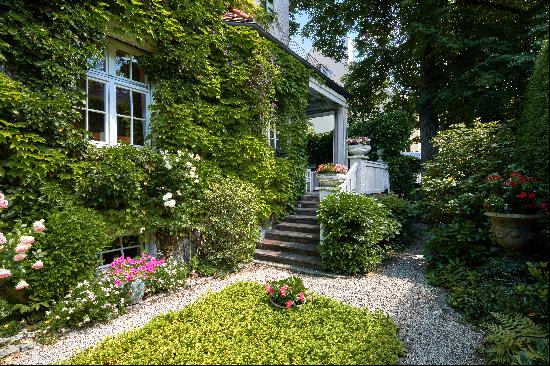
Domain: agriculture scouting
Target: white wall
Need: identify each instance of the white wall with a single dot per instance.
(323, 124)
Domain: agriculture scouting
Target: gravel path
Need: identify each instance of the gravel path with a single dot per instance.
(432, 332)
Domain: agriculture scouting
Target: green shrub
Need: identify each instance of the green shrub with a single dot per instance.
(403, 170)
(87, 303)
(229, 228)
(170, 276)
(72, 242)
(319, 148)
(355, 229)
(466, 156)
(532, 128)
(405, 213)
(238, 326)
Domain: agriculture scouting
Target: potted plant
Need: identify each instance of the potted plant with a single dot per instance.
(358, 145)
(515, 207)
(132, 273)
(287, 293)
(331, 175)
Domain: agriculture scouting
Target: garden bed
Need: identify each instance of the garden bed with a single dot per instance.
(238, 326)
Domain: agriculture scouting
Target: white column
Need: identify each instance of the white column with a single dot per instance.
(339, 154)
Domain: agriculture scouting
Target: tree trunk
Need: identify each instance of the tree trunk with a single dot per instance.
(429, 123)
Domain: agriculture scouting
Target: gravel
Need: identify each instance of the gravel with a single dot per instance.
(432, 332)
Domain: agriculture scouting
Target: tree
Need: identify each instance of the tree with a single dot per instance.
(450, 61)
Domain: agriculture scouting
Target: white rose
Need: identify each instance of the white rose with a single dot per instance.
(167, 196)
(170, 203)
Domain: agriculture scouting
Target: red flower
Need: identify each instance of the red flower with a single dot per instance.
(532, 195)
(269, 289)
(544, 206)
(516, 174)
(289, 303)
(522, 195)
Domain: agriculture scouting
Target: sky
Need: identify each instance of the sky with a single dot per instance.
(306, 43)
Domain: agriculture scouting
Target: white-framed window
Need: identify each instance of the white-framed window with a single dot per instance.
(272, 135)
(117, 97)
(127, 246)
(268, 5)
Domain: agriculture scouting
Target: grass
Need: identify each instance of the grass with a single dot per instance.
(238, 326)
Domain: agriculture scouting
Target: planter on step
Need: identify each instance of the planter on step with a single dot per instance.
(515, 231)
(358, 149)
(330, 180)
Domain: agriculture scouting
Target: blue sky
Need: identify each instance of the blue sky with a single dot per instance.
(302, 19)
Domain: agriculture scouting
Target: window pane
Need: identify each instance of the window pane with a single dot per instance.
(96, 95)
(123, 101)
(123, 129)
(98, 63)
(130, 240)
(80, 123)
(138, 99)
(96, 124)
(137, 71)
(108, 258)
(139, 132)
(122, 64)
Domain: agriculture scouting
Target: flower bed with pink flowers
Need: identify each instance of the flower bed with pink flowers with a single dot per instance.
(287, 293)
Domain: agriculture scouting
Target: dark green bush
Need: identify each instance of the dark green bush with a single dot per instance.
(72, 242)
(355, 229)
(403, 170)
(319, 148)
(238, 326)
(532, 128)
(229, 228)
(405, 213)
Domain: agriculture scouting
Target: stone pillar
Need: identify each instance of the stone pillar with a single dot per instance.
(360, 173)
(339, 154)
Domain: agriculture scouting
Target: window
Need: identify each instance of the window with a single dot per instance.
(127, 246)
(272, 136)
(117, 97)
(268, 4)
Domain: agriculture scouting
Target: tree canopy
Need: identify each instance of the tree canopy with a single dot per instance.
(449, 61)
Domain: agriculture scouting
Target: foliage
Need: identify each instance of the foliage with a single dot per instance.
(355, 230)
(228, 326)
(169, 276)
(532, 127)
(390, 131)
(405, 213)
(331, 168)
(516, 193)
(449, 61)
(536, 354)
(72, 242)
(512, 335)
(288, 292)
(90, 301)
(403, 171)
(229, 228)
(319, 147)
(466, 156)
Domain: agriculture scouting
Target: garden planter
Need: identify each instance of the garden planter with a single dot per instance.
(515, 231)
(358, 149)
(330, 180)
(283, 307)
(136, 290)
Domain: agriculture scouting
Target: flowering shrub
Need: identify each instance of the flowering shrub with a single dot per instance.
(364, 140)
(331, 168)
(16, 257)
(516, 193)
(88, 302)
(125, 270)
(170, 275)
(288, 292)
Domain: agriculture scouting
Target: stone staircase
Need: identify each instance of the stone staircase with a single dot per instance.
(293, 243)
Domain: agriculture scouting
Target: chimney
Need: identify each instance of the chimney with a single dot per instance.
(349, 44)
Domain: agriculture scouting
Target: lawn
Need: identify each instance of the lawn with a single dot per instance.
(238, 326)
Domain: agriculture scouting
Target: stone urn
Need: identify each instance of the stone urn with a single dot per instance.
(515, 231)
(136, 291)
(330, 180)
(358, 149)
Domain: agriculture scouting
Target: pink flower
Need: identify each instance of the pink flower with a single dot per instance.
(21, 285)
(38, 226)
(283, 290)
(301, 297)
(19, 257)
(269, 289)
(37, 265)
(3, 239)
(5, 273)
(4, 203)
(289, 303)
(118, 283)
(26, 239)
(22, 248)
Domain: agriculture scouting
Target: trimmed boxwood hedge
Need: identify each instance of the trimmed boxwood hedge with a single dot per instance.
(238, 326)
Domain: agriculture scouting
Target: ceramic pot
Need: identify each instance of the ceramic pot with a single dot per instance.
(358, 149)
(515, 231)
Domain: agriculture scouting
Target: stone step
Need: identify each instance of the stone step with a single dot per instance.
(301, 260)
(292, 236)
(285, 246)
(298, 227)
(302, 219)
(307, 204)
(311, 197)
(306, 211)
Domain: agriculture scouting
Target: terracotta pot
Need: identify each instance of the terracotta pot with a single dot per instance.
(515, 231)
(358, 149)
